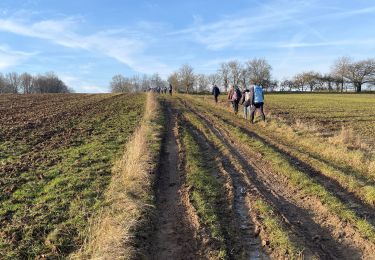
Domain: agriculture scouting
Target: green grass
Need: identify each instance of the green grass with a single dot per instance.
(205, 191)
(330, 111)
(48, 212)
(279, 237)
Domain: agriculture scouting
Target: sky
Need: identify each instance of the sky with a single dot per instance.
(86, 42)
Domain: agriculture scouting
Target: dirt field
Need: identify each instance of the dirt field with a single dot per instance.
(56, 157)
(223, 188)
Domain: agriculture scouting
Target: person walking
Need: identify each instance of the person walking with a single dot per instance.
(215, 92)
(246, 102)
(257, 102)
(234, 95)
(170, 89)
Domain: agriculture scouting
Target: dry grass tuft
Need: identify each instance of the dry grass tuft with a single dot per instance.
(129, 198)
(306, 126)
(348, 138)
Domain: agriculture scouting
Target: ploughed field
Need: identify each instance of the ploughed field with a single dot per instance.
(56, 155)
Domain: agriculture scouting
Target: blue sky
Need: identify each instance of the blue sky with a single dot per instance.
(87, 42)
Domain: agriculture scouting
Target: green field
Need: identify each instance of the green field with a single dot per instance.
(59, 165)
(330, 112)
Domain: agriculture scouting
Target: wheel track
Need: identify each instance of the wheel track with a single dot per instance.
(298, 212)
(174, 236)
(362, 209)
(247, 245)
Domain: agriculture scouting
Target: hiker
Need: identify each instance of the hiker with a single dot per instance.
(257, 102)
(234, 95)
(246, 102)
(215, 92)
(170, 89)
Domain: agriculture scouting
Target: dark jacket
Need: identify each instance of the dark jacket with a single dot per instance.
(215, 91)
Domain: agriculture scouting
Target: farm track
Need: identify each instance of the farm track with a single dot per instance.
(353, 200)
(246, 243)
(174, 237)
(320, 231)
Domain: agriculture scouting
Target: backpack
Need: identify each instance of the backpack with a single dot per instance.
(247, 96)
(236, 95)
(258, 94)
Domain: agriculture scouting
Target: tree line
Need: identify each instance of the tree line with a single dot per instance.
(345, 74)
(26, 83)
(137, 83)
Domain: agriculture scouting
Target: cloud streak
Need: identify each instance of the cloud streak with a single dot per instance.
(10, 58)
(126, 49)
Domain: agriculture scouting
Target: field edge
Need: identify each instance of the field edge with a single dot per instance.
(117, 230)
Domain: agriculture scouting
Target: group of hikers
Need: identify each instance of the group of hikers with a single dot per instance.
(251, 98)
(162, 90)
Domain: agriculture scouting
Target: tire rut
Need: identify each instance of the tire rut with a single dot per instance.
(246, 244)
(346, 197)
(173, 237)
(300, 214)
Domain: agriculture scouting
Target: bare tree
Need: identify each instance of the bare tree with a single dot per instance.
(3, 84)
(259, 71)
(360, 73)
(13, 81)
(299, 82)
(144, 83)
(213, 78)
(186, 77)
(310, 79)
(340, 69)
(286, 84)
(156, 81)
(234, 71)
(173, 79)
(202, 83)
(48, 83)
(120, 84)
(244, 77)
(224, 74)
(26, 82)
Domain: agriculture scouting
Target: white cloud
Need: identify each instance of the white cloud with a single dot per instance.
(10, 58)
(81, 85)
(127, 49)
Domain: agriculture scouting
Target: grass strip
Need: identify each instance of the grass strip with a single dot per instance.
(205, 191)
(129, 200)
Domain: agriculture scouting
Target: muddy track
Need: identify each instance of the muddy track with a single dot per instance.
(174, 236)
(320, 231)
(246, 243)
(354, 202)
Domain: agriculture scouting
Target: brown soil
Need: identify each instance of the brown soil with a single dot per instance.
(174, 237)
